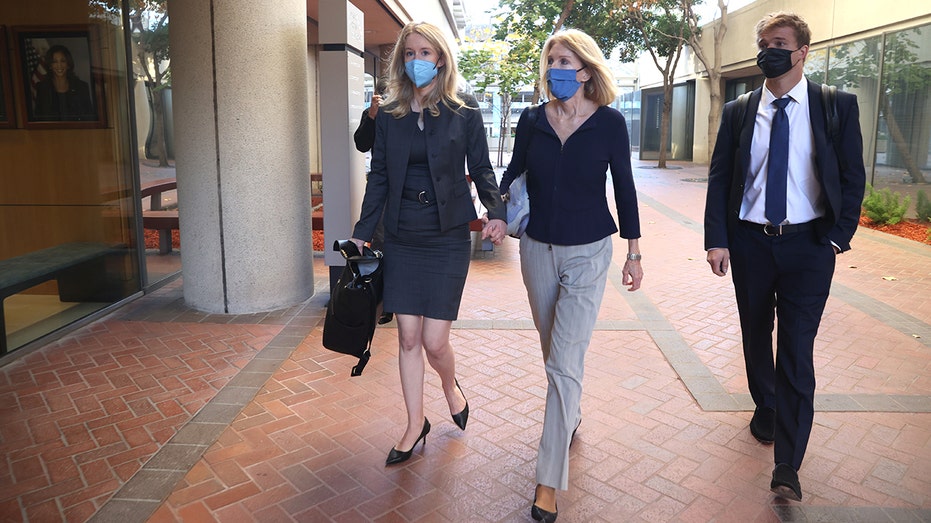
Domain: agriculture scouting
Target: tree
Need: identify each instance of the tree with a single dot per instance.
(492, 63)
(665, 27)
(148, 26)
(711, 64)
(528, 23)
(510, 60)
(149, 29)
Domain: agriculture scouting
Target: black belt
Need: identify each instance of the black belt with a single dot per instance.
(778, 230)
(414, 195)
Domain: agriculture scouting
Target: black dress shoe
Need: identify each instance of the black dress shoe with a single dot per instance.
(397, 456)
(386, 318)
(538, 514)
(763, 425)
(463, 417)
(785, 483)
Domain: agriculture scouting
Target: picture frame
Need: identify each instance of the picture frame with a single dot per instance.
(7, 112)
(60, 76)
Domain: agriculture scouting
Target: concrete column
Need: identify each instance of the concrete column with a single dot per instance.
(239, 70)
(342, 102)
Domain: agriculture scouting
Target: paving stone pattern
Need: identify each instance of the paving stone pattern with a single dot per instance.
(160, 413)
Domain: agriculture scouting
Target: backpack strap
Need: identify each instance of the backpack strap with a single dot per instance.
(829, 104)
(832, 120)
(739, 116)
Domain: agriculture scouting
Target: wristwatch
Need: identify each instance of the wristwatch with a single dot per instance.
(633, 257)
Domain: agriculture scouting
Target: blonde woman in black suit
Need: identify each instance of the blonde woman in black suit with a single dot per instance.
(425, 134)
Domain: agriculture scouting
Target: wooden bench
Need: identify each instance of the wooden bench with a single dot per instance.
(79, 268)
(158, 219)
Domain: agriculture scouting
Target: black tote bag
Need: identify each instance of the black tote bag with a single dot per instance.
(352, 312)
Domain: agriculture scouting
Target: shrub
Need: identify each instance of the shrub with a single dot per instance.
(883, 206)
(923, 206)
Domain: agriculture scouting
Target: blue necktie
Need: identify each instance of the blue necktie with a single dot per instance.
(778, 170)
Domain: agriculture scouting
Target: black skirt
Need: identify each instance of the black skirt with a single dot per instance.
(425, 268)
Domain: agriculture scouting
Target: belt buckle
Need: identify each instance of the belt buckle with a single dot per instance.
(422, 197)
(776, 230)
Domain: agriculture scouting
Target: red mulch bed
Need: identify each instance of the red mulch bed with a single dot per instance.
(151, 240)
(909, 229)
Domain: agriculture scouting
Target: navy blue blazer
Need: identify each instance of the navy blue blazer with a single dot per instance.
(454, 139)
(566, 182)
(842, 187)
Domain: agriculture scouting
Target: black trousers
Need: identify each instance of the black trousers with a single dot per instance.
(786, 278)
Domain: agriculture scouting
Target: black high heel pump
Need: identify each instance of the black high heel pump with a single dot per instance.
(538, 514)
(397, 456)
(463, 417)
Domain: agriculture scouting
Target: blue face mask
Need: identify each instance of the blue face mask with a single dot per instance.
(421, 72)
(562, 82)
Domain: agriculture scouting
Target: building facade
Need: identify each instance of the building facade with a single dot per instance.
(882, 54)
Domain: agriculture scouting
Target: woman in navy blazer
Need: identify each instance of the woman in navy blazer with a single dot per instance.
(567, 248)
(425, 134)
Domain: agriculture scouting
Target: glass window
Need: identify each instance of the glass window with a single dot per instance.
(905, 108)
(854, 67)
(68, 240)
(816, 65)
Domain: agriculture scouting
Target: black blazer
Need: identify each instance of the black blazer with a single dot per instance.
(454, 139)
(842, 180)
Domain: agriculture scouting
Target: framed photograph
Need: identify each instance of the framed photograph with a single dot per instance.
(60, 75)
(7, 116)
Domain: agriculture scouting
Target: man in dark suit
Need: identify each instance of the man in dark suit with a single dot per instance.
(782, 202)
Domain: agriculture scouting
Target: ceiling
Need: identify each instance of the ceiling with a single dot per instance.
(383, 20)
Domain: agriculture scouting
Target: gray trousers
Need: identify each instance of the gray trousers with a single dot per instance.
(565, 285)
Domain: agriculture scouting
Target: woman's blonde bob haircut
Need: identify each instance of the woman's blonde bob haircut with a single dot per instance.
(400, 89)
(600, 87)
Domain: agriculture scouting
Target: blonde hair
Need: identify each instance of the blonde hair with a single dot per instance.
(600, 87)
(400, 88)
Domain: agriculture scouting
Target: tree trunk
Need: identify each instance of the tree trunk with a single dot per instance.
(714, 110)
(158, 113)
(664, 123)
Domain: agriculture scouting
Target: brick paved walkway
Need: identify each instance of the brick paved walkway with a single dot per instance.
(159, 413)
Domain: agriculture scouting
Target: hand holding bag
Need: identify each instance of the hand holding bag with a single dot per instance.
(352, 312)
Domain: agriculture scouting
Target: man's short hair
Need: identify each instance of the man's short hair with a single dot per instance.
(784, 19)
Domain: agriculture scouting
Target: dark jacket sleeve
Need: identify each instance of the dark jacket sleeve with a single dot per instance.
(625, 191)
(365, 134)
(376, 185)
(851, 169)
(479, 162)
(720, 179)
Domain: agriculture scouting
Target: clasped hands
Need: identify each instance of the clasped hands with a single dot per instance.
(495, 230)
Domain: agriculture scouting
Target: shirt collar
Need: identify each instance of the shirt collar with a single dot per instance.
(799, 93)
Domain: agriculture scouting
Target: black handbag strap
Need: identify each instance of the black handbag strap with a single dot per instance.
(364, 359)
(533, 114)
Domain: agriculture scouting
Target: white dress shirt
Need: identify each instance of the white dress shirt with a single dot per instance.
(803, 189)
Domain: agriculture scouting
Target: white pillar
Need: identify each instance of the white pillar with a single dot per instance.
(341, 105)
(239, 77)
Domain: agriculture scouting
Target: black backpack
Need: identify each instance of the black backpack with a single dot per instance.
(352, 312)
